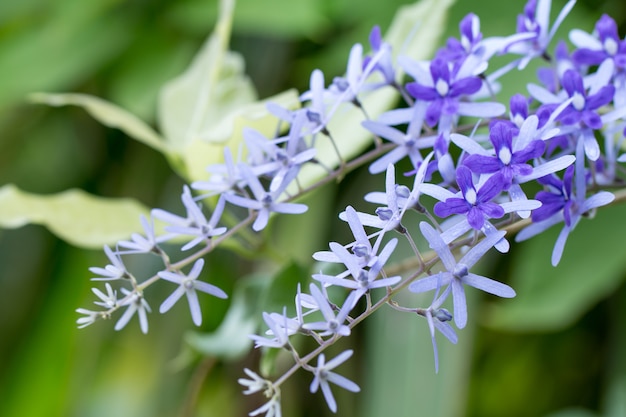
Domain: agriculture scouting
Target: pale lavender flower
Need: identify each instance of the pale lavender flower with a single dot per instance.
(224, 177)
(332, 324)
(457, 274)
(143, 244)
(135, 304)
(108, 300)
(438, 319)
(89, 317)
(409, 143)
(323, 376)
(279, 327)
(195, 224)
(284, 160)
(362, 280)
(361, 247)
(189, 284)
(115, 270)
(265, 202)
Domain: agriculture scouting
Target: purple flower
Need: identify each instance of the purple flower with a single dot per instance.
(566, 201)
(457, 274)
(584, 106)
(442, 91)
(323, 376)
(189, 284)
(476, 205)
(595, 50)
(507, 162)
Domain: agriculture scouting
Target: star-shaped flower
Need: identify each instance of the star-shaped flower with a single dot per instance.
(457, 274)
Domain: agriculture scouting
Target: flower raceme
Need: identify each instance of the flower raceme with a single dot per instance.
(477, 179)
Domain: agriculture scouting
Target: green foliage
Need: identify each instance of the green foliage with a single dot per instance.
(75, 216)
(550, 298)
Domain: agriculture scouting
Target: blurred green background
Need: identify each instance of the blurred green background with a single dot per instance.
(556, 350)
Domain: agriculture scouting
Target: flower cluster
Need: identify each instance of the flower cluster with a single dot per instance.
(473, 177)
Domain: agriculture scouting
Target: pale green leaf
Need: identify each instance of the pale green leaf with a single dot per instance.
(548, 297)
(200, 153)
(108, 114)
(414, 32)
(75, 216)
(191, 105)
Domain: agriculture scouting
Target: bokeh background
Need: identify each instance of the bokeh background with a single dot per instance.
(557, 350)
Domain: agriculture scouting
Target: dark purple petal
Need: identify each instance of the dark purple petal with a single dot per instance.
(519, 105)
(439, 70)
(573, 82)
(490, 188)
(482, 164)
(451, 206)
(375, 38)
(551, 204)
(433, 113)
(570, 116)
(522, 170)
(585, 56)
(607, 28)
(500, 135)
(492, 210)
(533, 150)
(467, 86)
(450, 106)
(592, 120)
(466, 26)
(422, 92)
(601, 98)
(568, 179)
(476, 218)
(464, 179)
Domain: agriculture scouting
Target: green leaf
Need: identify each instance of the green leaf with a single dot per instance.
(414, 31)
(201, 152)
(550, 298)
(75, 216)
(573, 412)
(108, 114)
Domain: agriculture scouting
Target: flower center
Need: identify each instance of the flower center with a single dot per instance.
(442, 87)
(505, 155)
(460, 270)
(470, 196)
(610, 46)
(267, 200)
(578, 101)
